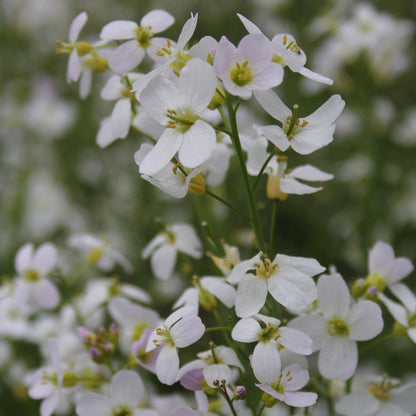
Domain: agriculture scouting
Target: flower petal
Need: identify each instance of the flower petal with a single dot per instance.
(76, 26)
(197, 145)
(295, 340)
(119, 29)
(120, 118)
(93, 404)
(272, 103)
(187, 331)
(365, 320)
(251, 296)
(358, 403)
(165, 148)
(163, 261)
(405, 295)
(158, 20)
(246, 330)
(127, 389)
(338, 358)
(265, 362)
(23, 259)
(333, 295)
(126, 57)
(167, 364)
(315, 327)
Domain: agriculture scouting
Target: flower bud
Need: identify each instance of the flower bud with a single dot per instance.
(240, 393)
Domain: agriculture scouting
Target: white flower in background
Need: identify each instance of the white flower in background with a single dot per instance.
(269, 335)
(178, 108)
(132, 319)
(337, 327)
(217, 165)
(303, 135)
(146, 359)
(139, 39)
(286, 52)
(248, 67)
(405, 132)
(287, 278)
(171, 56)
(229, 261)
(74, 48)
(384, 268)
(98, 292)
(205, 292)
(405, 315)
(180, 329)
(281, 181)
(283, 386)
(126, 393)
(382, 397)
(51, 383)
(98, 251)
(119, 88)
(166, 245)
(175, 180)
(209, 367)
(33, 290)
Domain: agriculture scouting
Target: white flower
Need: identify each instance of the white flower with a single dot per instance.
(76, 49)
(119, 88)
(284, 385)
(406, 315)
(286, 52)
(338, 326)
(269, 335)
(209, 368)
(179, 330)
(33, 289)
(247, 68)
(99, 251)
(288, 279)
(139, 38)
(132, 319)
(281, 181)
(385, 269)
(172, 56)
(126, 393)
(48, 382)
(165, 246)
(205, 291)
(171, 178)
(303, 135)
(178, 108)
(379, 398)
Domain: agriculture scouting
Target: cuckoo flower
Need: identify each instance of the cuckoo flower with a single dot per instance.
(139, 39)
(75, 48)
(178, 108)
(338, 326)
(165, 246)
(126, 392)
(405, 315)
(172, 56)
(248, 67)
(382, 397)
(269, 335)
(288, 279)
(384, 268)
(181, 329)
(283, 386)
(303, 135)
(286, 52)
(33, 289)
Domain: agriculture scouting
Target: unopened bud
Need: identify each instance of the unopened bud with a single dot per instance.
(372, 294)
(240, 393)
(358, 288)
(95, 354)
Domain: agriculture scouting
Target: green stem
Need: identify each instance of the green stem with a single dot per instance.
(213, 240)
(217, 328)
(273, 226)
(218, 198)
(348, 385)
(258, 177)
(221, 324)
(261, 409)
(223, 130)
(249, 193)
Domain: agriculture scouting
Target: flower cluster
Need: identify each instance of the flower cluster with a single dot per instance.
(243, 335)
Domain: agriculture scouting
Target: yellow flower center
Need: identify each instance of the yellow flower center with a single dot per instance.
(241, 74)
(381, 390)
(337, 327)
(143, 36)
